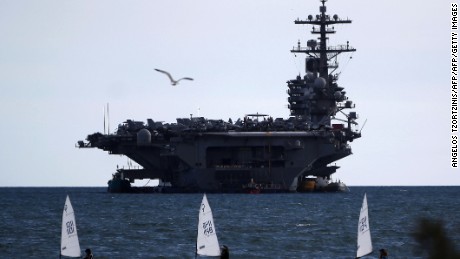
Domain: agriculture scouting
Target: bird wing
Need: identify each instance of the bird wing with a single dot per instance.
(166, 73)
(186, 78)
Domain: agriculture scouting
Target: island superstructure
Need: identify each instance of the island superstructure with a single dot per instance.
(257, 153)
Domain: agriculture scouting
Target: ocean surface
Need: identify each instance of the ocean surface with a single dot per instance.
(313, 225)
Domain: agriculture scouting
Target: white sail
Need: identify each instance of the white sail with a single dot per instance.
(364, 233)
(206, 243)
(69, 239)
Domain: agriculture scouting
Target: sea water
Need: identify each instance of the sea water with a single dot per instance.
(311, 225)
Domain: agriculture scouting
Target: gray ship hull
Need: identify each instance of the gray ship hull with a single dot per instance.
(229, 161)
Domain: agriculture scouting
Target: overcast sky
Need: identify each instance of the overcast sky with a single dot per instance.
(62, 61)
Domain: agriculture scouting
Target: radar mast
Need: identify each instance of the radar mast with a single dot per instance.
(317, 97)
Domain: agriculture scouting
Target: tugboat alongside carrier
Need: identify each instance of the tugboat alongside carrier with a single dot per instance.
(257, 153)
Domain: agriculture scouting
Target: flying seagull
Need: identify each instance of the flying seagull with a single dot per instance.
(173, 82)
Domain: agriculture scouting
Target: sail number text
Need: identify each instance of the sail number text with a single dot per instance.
(208, 229)
(70, 226)
(363, 224)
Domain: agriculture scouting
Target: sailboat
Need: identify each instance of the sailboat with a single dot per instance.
(364, 233)
(206, 242)
(70, 246)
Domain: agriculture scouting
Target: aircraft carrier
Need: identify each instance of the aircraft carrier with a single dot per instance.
(255, 154)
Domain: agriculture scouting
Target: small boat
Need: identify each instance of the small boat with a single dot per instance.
(206, 242)
(320, 184)
(70, 246)
(364, 233)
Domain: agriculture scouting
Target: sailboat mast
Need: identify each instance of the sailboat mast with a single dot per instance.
(108, 119)
(104, 119)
